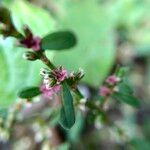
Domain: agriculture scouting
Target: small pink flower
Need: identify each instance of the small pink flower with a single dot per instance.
(112, 80)
(59, 74)
(104, 91)
(45, 91)
(48, 92)
(30, 41)
(56, 88)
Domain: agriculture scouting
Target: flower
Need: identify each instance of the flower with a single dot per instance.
(48, 92)
(104, 91)
(59, 74)
(30, 41)
(112, 80)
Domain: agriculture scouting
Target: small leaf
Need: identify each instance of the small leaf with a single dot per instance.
(67, 116)
(29, 92)
(125, 88)
(58, 41)
(128, 99)
(121, 71)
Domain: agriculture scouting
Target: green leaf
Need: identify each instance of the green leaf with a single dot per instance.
(128, 99)
(67, 116)
(29, 92)
(74, 133)
(121, 71)
(125, 88)
(38, 19)
(58, 41)
(64, 146)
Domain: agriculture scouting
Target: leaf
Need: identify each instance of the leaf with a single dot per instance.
(38, 19)
(128, 99)
(64, 146)
(125, 88)
(29, 92)
(121, 71)
(74, 133)
(67, 116)
(95, 50)
(58, 41)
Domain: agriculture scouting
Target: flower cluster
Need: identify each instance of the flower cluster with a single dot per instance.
(52, 80)
(48, 92)
(53, 77)
(59, 74)
(110, 86)
(30, 41)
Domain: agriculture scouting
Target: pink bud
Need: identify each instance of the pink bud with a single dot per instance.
(112, 80)
(59, 74)
(56, 88)
(45, 91)
(30, 41)
(48, 92)
(36, 45)
(104, 91)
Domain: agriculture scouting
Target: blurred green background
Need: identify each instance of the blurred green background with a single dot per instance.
(109, 32)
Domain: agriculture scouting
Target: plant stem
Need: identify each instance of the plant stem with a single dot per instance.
(103, 103)
(46, 61)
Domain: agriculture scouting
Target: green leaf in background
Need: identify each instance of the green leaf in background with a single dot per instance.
(136, 19)
(29, 92)
(16, 72)
(67, 116)
(95, 51)
(128, 99)
(38, 19)
(121, 71)
(58, 41)
(125, 88)
(64, 146)
(139, 144)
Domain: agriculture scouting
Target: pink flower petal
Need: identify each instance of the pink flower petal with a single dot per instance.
(111, 80)
(104, 91)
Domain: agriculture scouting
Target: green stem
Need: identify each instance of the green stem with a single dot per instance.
(103, 102)
(46, 61)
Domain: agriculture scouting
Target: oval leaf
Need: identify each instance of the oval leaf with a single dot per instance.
(58, 41)
(29, 92)
(67, 116)
(128, 99)
(124, 88)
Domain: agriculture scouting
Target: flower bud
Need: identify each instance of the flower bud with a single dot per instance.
(30, 41)
(80, 74)
(104, 91)
(45, 72)
(76, 76)
(112, 80)
(30, 56)
(59, 74)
